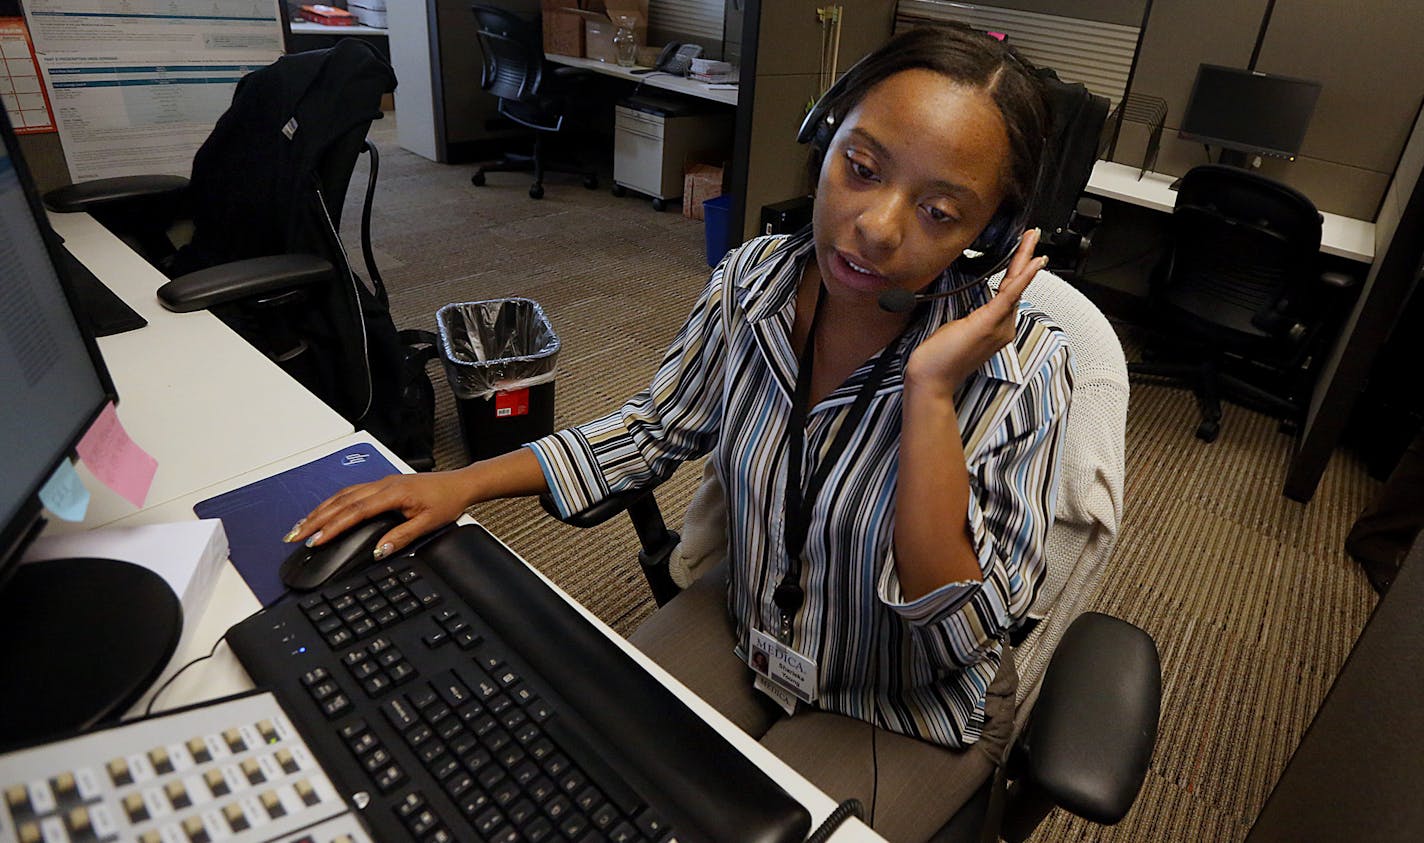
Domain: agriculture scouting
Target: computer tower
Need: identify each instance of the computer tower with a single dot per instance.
(786, 217)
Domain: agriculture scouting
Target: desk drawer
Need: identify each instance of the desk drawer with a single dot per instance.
(627, 119)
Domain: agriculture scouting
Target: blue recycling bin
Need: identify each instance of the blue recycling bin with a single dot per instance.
(716, 214)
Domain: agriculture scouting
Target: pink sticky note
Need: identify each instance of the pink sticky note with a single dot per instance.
(117, 460)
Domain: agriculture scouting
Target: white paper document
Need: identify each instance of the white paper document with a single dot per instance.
(136, 85)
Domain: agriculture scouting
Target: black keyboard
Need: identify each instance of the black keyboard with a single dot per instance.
(453, 696)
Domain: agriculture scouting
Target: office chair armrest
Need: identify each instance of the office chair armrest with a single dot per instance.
(658, 542)
(1089, 209)
(1092, 731)
(88, 195)
(241, 280)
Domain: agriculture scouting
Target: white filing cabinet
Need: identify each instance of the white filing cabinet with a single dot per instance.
(654, 138)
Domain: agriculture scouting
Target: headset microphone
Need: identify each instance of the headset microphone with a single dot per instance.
(903, 301)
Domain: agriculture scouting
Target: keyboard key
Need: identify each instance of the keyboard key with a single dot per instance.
(459, 784)
(363, 743)
(408, 607)
(217, 783)
(444, 767)
(198, 748)
(621, 833)
(388, 657)
(409, 804)
(344, 602)
(339, 638)
(474, 803)
(387, 615)
(574, 825)
(253, 771)
(389, 779)
(307, 792)
(193, 828)
(589, 798)
(287, 761)
(376, 759)
(409, 575)
(542, 789)
(177, 795)
(328, 624)
(336, 706)
(454, 692)
(422, 822)
(272, 804)
(436, 639)
(135, 808)
(467, 638)
(538, 829)
(78, 823)
(419, 735)
(376, 685)
(366, 593)
(364, 627)
(379, 646)
(651, 824)
(487, 822)
(268, 731)
(558, 808)
(236, 819)
(319, 612)
(119, 773)
(402, 672)
(400, 713)
(162, 764)
(505, 792)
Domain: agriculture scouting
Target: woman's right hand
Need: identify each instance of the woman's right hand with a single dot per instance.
(428, 501)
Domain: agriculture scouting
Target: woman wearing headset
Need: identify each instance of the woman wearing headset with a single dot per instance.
(890, 467)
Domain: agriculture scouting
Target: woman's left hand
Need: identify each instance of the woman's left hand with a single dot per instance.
(956, 349)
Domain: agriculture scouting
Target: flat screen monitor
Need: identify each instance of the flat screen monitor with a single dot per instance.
(54, 380)
(1250, 112)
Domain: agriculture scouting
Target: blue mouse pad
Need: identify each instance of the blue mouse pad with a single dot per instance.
(257, 515)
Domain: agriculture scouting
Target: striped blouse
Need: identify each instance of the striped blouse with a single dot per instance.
(917, 667)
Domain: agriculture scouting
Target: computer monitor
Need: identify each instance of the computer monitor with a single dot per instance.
(83, 638)
(55, 380)
(1249, 113)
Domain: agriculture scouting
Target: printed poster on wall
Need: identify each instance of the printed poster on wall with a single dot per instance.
(24, 94)
(137, 85)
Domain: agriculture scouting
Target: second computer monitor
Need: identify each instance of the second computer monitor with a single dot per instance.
(1244, 111)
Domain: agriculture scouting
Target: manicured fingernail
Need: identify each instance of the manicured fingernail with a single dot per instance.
(291, 536)
(380, 552)
(314, 538)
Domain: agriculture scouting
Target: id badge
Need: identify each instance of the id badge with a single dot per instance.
(783, 665)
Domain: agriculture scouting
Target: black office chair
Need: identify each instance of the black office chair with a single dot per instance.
(1079, 747)
(1067, 217)
(531, 92)
(1238, 292)
(254, 237)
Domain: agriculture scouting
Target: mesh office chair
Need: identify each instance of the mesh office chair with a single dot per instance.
(1076, 747)
(1238, 288)
(254, 237)
(1067, 217)
(531, 93)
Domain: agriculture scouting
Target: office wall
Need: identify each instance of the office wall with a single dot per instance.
(787, 65)
(1125, 12)
(1365, 53)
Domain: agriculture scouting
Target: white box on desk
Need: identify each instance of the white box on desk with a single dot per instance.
(187, 554)
(369, 12)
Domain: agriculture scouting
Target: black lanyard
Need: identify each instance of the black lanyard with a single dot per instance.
(789, 595)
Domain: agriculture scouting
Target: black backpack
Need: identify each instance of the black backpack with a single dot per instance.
(272, 179)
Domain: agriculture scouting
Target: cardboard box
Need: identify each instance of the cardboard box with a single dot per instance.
(700, 182)
(563, 32)
(600, 24)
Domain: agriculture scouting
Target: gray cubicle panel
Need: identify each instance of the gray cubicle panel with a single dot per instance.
(1399, 249)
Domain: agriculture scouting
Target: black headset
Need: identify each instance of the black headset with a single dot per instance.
(999, 239)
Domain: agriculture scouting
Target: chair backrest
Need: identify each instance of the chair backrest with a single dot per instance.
(1078, 116)
(1089, 506)
(1240, 236)
(271, 179)
(513, 54)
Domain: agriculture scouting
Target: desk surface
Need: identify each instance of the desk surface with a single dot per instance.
(187, 409)
(195, 395)
(1345, 237)
(313, 28)
(665, 81)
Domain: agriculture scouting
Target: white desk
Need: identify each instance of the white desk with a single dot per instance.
(1345, 237)
(179, 419)
(313, 28)
(665, 81)
(195, 395)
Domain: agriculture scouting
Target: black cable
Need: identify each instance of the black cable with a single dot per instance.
(148, 710)
(169, 681)
(874, 774)
(844, 811)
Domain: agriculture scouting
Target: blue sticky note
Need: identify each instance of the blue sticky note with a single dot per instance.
(64, 493)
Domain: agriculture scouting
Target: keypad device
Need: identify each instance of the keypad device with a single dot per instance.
(235, 770)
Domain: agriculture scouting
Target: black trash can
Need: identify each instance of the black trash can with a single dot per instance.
(499, 358)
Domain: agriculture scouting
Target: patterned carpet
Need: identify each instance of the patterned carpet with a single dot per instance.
(1249, 596)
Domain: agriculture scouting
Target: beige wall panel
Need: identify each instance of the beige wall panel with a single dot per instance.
(1126, 12)
(1367, 55)
(45, 158)
(791, 34)
(777, 166)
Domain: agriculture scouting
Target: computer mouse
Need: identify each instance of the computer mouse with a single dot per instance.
(308, 567)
